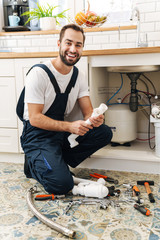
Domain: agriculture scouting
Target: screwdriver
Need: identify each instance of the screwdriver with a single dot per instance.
(142, 209)
(108, 179)
(47, 197)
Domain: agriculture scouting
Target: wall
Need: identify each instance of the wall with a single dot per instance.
(149, 23)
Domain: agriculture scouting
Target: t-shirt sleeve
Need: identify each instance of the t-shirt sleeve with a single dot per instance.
(83, 90)
(35, 86)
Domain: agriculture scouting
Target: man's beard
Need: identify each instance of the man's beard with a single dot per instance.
(65, 61)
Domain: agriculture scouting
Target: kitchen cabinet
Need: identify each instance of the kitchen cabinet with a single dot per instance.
(103, 84)
(8, 119)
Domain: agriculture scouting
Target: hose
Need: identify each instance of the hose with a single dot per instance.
(55, 226)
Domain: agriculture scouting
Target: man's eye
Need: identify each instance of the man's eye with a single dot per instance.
(78, 46)
(67, 43)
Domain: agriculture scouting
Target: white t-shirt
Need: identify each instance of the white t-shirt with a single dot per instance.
(39, 89)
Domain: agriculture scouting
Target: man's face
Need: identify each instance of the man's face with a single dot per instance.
(71, 47)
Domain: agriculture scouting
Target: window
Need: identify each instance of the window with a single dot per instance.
(117, 10)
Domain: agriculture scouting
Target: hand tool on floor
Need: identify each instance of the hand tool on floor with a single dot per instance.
(136, 190)
(48, 196)
(138, 207)
(147, 186)
(142, 209)
(133, 188)
(107, 179)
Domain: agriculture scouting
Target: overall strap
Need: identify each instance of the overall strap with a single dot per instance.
(20, 104)
(50, 75)
(73, 80)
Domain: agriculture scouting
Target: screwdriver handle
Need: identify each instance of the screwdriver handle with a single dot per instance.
(150, 195)
(142, 209)
(44, 197)
(136, 190)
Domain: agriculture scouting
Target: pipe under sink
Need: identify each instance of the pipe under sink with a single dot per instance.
(134, 69)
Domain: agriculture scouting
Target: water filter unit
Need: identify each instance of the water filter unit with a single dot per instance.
(122, 122)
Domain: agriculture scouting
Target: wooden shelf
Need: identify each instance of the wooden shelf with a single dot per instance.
(94, 29)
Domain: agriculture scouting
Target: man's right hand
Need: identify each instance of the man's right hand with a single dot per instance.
(80, 127)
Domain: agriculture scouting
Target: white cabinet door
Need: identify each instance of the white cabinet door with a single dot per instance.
(8, 117)
(6, 67)
(9, 140)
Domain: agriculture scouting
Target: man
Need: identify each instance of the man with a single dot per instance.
(50, 93)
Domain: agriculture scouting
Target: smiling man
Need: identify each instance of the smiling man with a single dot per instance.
(51, 91)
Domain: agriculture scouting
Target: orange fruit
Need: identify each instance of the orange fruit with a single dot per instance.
(80, 18)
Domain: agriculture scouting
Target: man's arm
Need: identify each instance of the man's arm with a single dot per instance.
(38, 119)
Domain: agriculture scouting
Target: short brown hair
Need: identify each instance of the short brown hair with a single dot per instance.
(72, 26)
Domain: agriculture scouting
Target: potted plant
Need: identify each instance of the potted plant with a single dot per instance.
(45, 14)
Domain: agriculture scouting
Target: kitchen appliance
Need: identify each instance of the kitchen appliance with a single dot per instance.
(16, 8)
(122, 122)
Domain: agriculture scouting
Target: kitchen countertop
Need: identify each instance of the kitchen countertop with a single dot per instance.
(12, 55)
(48, 32)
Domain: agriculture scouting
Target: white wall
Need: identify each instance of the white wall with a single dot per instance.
(149, 23)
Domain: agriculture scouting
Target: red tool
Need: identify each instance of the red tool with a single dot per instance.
(108, 179)
(142, 209)
(47, 197)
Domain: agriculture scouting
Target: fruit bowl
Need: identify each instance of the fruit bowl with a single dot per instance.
(89, 19)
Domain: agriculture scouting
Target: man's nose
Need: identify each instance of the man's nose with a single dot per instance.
(73, 48)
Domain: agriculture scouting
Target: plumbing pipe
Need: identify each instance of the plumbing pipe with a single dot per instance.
(156, 122)
(85, 181)
(55, 226)
(94, 189)
(96, 112)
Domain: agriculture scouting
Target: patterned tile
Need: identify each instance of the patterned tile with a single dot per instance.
(90, 223)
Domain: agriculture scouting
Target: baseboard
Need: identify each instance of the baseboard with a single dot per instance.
(12, 157)
(121, 165)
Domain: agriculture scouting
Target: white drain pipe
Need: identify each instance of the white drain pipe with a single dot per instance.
(157, 134)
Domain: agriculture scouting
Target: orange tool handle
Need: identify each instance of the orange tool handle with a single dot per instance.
(146, 184)
(45, 197)
(136, 190)
(142, 209)
(100, 176)
(92, 175)
(150, 195)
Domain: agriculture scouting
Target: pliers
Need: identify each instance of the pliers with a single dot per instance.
(107, 179)
(48, 197)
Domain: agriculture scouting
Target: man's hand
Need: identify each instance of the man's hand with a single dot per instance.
(80, 127)
(97, 121)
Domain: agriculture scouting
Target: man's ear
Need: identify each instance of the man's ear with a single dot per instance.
(58, 43)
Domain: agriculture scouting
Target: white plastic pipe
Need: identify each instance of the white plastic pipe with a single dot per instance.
(96, 112)
(94, 189)
(157, 134)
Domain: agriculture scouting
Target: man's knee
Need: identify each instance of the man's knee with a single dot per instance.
(59, 185)
(106, 134)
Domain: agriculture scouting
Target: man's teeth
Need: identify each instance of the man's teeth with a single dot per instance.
(71, 55)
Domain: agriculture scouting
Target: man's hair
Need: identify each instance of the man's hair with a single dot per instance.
(72, 26)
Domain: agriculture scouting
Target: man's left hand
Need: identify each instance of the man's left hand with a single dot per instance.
(97, 121)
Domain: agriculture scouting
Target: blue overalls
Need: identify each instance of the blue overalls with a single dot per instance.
(48, 152)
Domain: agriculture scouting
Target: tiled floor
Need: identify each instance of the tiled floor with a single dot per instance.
(89, 222)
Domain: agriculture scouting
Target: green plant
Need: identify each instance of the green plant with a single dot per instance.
(43, 11)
